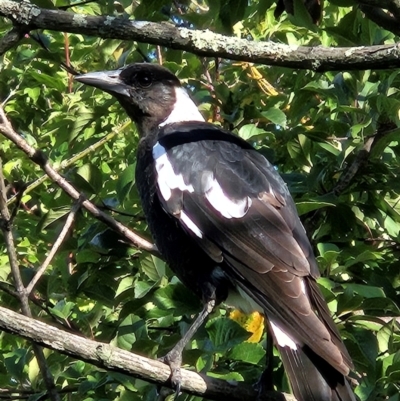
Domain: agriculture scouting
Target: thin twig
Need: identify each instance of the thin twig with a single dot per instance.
(8, 289)
(13, 259)
(23, 394)
(69, 162)
(216, 111)
(11, 251)
(159, 55)
(178, 7)
(56, 245)
(38, 157)
(359, 161)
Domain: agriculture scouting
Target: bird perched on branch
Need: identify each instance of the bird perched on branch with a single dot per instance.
(224, 220)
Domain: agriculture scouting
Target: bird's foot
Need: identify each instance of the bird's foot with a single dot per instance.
(263, 384)
(174, 360)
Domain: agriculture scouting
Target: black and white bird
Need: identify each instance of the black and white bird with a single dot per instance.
(224, 220)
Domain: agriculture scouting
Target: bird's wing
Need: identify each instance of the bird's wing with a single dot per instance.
(231, 200)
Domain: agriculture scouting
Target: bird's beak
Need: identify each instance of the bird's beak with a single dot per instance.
(108, 81)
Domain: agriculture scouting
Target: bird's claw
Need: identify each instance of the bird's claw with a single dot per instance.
(263, 384)
(174, 360)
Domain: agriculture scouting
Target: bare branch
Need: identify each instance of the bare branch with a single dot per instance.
(39, 158)
(204, 43)
(361, 159)
(115, 359)
(351, 171)
(22, 295)
(23, 394)
(69, 162)
(56, 245)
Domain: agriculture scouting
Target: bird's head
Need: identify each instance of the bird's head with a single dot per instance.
(151, 95)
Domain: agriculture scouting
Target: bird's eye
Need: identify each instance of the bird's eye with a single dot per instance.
(144, 80)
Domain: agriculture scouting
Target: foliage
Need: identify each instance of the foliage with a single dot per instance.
(312, 126)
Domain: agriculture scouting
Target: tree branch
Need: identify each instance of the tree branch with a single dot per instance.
(204, 43)
(12, 38)
(55, 247)
(19, 286)
(72, 160)
(115, 359)
(361, 159)
(40, 159)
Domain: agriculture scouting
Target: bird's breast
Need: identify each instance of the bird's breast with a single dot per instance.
(184, 256)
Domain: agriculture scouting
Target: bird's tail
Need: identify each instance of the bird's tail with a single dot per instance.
(312, 378)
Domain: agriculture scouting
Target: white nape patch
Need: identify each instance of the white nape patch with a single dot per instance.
(184, 109)
(167, 180)
(190, 225)
(238, 299)
(227, 207)
(282, 338)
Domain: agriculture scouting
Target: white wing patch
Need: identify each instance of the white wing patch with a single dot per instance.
(227, 207)
(167, 180)
(282, 338)
(190, 225)
(184, 109)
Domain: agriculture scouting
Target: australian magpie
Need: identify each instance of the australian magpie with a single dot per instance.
(224, 220)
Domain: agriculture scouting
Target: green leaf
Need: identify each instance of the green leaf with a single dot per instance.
(247, 352)
(126, 181)
(86, 256)
(305, 207)
(231, 12)
(348, 301)
(83, 120)
(225, 333)
(250, 130)
(53, 216)
(91, 174)
(177, 297)
(63, 309)
(125, 284)
(276, 116)
(366, 291)
(15, 362)
(153, 267)
(142, 288)
(302, 16)
(130, 330)
(49, 81)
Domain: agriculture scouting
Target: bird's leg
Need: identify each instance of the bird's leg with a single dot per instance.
(264, 383)
(174, 357)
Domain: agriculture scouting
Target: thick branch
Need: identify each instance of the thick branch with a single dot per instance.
(204, 43)
(113, 358)
(12, 38)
